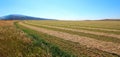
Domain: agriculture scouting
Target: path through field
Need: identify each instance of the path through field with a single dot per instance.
(101, 45)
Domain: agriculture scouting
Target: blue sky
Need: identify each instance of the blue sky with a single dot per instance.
(62, 9)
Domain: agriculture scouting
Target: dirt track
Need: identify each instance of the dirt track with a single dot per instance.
(105, 46)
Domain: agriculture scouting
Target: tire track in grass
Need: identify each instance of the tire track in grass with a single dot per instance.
(101, 45)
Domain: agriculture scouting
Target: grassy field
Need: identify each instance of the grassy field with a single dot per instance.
(109, 27)
(25, 42)
(97, 26)
(15, 43)
(98, 37)
(78, 24)
(11, 40)
(60, 23)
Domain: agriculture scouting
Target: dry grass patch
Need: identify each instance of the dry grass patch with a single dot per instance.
(15, 43)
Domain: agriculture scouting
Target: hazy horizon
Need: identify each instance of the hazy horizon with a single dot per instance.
(63, 9)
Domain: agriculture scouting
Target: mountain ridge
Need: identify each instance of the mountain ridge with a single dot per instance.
(21, 17)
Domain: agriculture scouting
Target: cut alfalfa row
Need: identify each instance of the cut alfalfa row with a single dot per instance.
(93, 29)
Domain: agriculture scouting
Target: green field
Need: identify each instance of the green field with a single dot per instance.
(27, 42)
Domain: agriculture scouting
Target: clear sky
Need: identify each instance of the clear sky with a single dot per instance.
(62, 9)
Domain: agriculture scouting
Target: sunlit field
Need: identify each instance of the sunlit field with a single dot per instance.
(101, 30)
(59, 28)
(59, 38)
(103, 34)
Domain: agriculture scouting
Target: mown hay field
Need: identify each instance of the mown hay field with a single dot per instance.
(102, 31)
(78, 24)
(55, 38)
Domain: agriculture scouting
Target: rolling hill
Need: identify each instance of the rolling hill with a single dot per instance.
(21, 17)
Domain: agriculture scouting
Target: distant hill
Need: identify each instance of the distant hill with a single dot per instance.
(21, 17)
